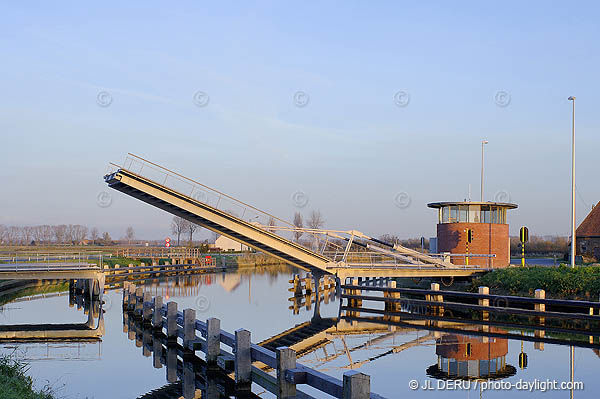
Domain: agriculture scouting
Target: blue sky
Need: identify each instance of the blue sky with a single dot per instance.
(351, 149)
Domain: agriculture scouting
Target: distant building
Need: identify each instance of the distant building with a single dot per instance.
(230, 281)
(588, 234)
(227, 244)
(487, 221)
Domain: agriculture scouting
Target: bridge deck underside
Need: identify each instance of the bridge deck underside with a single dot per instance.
(194, 217)
(33, 332)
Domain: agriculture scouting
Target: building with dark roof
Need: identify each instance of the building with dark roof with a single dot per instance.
(588, 234)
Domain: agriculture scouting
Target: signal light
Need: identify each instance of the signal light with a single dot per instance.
(470, 236)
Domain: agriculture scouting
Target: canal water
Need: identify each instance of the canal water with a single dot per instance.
(440, 364)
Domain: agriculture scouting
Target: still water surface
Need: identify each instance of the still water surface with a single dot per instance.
(258, 302)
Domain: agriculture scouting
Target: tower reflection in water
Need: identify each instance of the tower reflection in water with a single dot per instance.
(471, 358)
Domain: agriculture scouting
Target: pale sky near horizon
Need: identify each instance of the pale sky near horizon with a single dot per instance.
(350, 149)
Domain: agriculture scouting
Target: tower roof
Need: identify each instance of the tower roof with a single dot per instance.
(590, 226)
(451, 203)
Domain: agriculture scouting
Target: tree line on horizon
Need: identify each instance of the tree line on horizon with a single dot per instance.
(60, 234)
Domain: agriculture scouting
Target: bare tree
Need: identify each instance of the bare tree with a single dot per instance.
(47, 234)
(27, 234)
(79, 233)
(390, 238)
(298, 223)
(106, 238)
(178, 226)
(190, 228)
(59, 233)
(94, 235)
(70, 234)
(129, 235)
(38, 234)
(271, 223)
(13, 235)
(315, 220)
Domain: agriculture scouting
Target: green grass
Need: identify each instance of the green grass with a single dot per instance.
(16, 384)
(111, 262)
(582, 282)
(42, 289)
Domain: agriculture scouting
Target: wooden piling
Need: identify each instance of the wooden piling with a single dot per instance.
(213, 340)
(484, 302)
(189, 328)
(157, 318)
(436, 298)
(139, 297)
(540, 307)
(243, 358)
(171, 363)
(356, 385)
(172, 321)
(147, 308)
(131, 293)
(125, 294)
(156, 353)
(286, 360)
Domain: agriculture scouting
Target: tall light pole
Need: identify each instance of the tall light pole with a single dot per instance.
(573, 244)
(483, 142)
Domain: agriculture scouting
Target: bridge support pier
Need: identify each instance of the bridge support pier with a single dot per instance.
(317, 283)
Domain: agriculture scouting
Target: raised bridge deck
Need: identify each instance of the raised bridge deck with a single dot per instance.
(343, 253)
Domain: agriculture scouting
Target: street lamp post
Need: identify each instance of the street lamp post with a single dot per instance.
(483, 142)
(573, 244)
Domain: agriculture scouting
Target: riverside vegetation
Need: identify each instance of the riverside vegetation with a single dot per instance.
(581, 282)
(16, 384)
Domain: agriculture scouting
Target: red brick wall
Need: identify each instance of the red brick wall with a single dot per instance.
(455, 347)
(488, 238)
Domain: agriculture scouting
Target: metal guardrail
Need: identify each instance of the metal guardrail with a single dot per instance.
(49, 261)
(47, 267)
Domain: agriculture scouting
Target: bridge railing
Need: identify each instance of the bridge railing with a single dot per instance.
(48, 261)
(331, 244)
(221, 201)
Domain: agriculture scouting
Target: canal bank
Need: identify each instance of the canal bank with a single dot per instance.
(16, 384)
(258, 299)
(564, 282)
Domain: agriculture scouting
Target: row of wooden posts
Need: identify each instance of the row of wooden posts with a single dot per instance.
(486, 303)
(435, 297)
(159, 316)
(130, 268)
(302, 286)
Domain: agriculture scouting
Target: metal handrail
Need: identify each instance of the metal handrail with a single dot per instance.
(128, 166)
(168, 171)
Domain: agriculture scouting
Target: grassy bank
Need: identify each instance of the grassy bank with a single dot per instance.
(28, 289)
(16, 384)
(582, 282)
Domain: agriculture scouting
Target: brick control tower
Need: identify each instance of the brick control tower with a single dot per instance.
(488, 223)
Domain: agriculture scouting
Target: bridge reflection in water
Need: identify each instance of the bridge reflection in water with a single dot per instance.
(463, 350)
(58, 341)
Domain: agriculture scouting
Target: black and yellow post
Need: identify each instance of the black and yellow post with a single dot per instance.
(523, 237)
(522, 357)
(469, 240)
